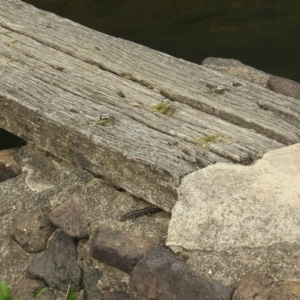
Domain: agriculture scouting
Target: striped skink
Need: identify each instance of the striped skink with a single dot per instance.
(140, 212)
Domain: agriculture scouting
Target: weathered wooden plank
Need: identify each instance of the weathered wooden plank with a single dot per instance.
(180, 80)
(184, 123)
(50, 107)
(52, 92)
(239, 139)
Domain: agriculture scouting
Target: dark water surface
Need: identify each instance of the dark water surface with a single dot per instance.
(262, 33)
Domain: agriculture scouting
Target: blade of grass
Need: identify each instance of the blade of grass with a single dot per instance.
(38, 295)
(71, 295)
(4, 291)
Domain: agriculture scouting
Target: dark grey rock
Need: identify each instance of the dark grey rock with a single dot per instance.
(117, 296)
(31, 231)
(57, 266)
(90, 282)
(118, 249)
(264, 287)
(284, 86)
(68, 216)
(27, 289)
(9, 164)
(161, 275)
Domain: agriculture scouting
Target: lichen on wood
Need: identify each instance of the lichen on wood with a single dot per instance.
(212, 138)
(164, 108)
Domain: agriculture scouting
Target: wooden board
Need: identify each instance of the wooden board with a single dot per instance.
(57, 77)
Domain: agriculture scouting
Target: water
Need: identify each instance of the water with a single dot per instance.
(262, 33)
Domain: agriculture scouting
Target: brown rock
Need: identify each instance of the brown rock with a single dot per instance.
(9, 164)
(27, 289)
(118, 249)
(264, 288)
(224, 62)
(161, 275)
(251, 286)
(284, 86)
(233, 67)
(116, 296)
(31, 231)
(68, 216)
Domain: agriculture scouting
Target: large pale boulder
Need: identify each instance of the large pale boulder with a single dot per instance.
(242, 213)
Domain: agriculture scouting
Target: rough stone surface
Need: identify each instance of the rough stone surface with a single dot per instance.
(161, 275)
(281, 261)
(46, 182)
(44, 171)
(232, 219)
(225, 206)
(9, 164)
(90, 282)
(284, 86)
(117, 296)
(118, 249)
(265, 288)
(57, 266)
(237, 69)
(68, 216)
(225, 62)
(31, 231)
(27, 289)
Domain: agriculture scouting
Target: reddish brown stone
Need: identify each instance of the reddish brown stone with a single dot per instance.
(9, 164)
(284, 86)
(68, 216)
(31, 231)
(265, 288)
(161, 275)
(118, 249)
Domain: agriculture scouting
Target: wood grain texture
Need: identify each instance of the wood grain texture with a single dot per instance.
(57, 77)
